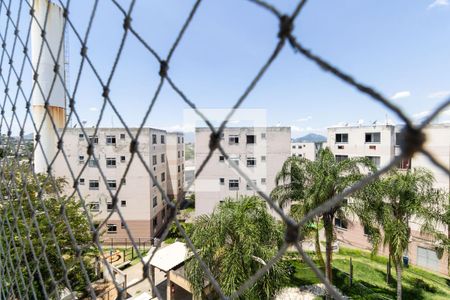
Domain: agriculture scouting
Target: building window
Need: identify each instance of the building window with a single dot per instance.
(182, 167)
(179, 154)
(179, 183)
(154, 139)
(182, 139)
(222, 135)
(249, 188)
(222, 181)
(94, 206)
(163, 177)
(163, 214)
(80, 136)
(122, 159)
(341, 137)
(294, 147)
(404, 164)
(263, 181)
(235, 160)
(375, 160)
(251, 162)
(373, 137)
(342, 224)
(397, 138)
(110, 162)
(81, 181)
(251, 139)
(81, 159)
(123, 181)
(263, 158)
(340, 158)
(93, 139)
(93, 184)
(110, 140)
(233, 184)
(156, 179)
(221, 158)
(179, 168)
(263, 136)
(163, 158)
(155, 201)
(163, 139)
(112, 184)
(155, 160)
(182, 153)
(112, 228)
(233, 139)
(92, 163)
(109, 206)
(155, 221)
(122, 136)
(366, 230)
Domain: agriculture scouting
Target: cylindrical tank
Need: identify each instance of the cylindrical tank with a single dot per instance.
(43, 56)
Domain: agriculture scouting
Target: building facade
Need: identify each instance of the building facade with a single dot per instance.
(175, 165)
(307, 150)
(380, 143)
(139, 199)
(258, 151)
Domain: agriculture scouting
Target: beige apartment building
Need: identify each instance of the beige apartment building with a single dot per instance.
(139, 200)
(175, 165)
(258, 151)
(307, 150)
(380, 144)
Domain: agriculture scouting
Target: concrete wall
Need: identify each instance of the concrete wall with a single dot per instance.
(175, 165)
(271, 149)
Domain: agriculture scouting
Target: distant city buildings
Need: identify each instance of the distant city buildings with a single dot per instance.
(139, 200)
(258, 151)
(381, 144)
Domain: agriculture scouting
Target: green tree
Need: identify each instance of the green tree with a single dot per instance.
(40, 248)
(308, 184)
(393, 201)
(235, 241)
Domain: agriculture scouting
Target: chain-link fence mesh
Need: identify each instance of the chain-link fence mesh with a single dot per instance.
(31, 223)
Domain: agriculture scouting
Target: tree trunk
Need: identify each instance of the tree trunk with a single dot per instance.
(328, 224)
(317, 246)
(398, 268)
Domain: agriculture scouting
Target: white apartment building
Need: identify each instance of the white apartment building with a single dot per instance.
(307, 150)
(139, 200)
(259, 152)
(175, 164)
(380, 144)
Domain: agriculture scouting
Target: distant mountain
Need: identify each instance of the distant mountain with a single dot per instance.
(310, 138)
(28, 137)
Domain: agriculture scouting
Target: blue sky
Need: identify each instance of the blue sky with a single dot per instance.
(400, 47)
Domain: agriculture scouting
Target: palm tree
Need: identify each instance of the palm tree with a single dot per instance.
(307, 184)
(393, 201)
(236, 240)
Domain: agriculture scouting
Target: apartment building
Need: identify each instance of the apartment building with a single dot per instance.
(380, 144)
(175, 165)
(139, 200)
(258, 151)
(307, 150)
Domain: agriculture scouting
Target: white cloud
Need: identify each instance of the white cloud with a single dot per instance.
(421, 114)
(437, 3)
(93, 108)
(446, 112)
(439, 95)
(183, 128)
(400, 95)
(304, 119)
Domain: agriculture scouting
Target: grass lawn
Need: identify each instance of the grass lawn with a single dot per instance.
(369, 276)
